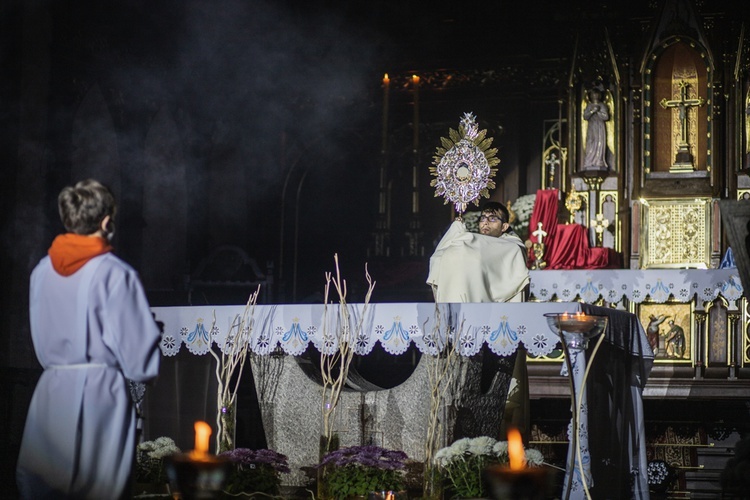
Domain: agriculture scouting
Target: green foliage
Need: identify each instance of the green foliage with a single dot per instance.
(355, 479)
(465, 475)
(260, 478)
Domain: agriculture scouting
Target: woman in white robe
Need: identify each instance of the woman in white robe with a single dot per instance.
(92, 329)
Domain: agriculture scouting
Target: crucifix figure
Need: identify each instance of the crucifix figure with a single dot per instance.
(552, 163)
(683, 160)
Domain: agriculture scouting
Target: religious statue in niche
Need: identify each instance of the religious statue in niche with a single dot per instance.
(597, 131)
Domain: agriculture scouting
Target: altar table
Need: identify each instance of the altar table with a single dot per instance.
(613, 394)
(636, 285)
(396, 326)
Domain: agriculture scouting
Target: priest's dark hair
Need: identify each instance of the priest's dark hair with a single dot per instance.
(83, 206)
(497, 208)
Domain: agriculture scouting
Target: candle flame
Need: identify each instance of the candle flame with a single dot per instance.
(415, 79)
(202, 433)
(515, 450)
(386, 80)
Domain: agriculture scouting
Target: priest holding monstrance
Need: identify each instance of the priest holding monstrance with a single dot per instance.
(489, 266)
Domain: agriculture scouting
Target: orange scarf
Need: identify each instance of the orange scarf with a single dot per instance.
(69, 252)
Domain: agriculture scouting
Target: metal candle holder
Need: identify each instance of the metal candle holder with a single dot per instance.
(575, 330)
(197, 477)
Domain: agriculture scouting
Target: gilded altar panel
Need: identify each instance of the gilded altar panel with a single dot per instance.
(670, 329)
(718, 334)
(676, 233)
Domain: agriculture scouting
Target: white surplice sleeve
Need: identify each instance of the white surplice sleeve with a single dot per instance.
(129, 329)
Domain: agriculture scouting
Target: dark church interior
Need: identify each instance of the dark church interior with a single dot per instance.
(248, 142)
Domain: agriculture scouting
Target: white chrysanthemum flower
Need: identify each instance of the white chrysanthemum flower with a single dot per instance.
(534, 457)
(159, 448)
(164, 441)
(482, 445)
(146, 446)
(164, 452)
(442, 457)
(461, 446)
(500, 448)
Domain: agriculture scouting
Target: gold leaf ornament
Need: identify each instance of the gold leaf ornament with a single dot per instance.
(463, 165)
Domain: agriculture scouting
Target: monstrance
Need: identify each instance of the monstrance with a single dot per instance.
(575, 331)
(463, 165)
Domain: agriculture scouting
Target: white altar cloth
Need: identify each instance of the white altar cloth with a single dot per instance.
(502, 326)
(636, 285)
(293, 327)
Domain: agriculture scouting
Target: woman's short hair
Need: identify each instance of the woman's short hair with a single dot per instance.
(83, 206)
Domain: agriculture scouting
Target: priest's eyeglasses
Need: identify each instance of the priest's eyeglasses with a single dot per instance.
(490, 218)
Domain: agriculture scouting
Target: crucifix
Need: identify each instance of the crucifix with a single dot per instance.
(552, 163)
(599, 224)
(538, 248)
(539, 232)
(683, 159)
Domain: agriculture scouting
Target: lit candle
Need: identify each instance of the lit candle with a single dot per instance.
(386, 93)
(202, 434)
(516, 481)
(198, 474)
(415, 82)
(516, 454)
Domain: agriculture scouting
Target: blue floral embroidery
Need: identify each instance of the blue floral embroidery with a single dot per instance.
(262, 342)
(540, 342)
(199, 334)
(589, 287)
(168, 342)
(362, 341)
(398, 331)
(658, 288)
(429, 341)
(295, 331)
(467, 342)
(328, 342)
(504, 330)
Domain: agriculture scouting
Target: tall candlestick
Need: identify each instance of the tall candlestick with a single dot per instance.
(415, 81)
(386, 94)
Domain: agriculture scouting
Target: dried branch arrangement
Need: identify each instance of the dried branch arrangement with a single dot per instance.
(441, 370)
(229, 368)
(335, 362)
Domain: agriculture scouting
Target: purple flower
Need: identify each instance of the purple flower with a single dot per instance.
(250, 458)
(366, 456)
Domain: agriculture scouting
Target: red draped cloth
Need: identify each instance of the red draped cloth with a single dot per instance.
(566, 245)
